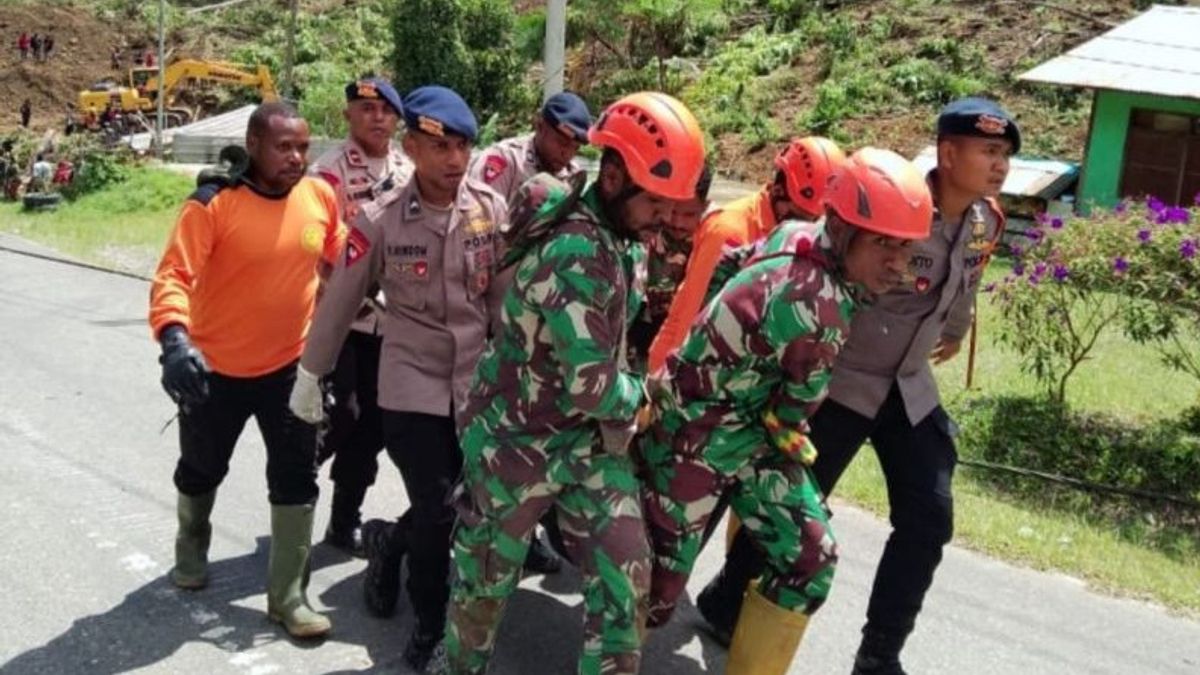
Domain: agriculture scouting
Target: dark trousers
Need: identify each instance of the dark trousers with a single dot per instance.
(355, 434)
(425, 448)
(918, 466)
(208, 433)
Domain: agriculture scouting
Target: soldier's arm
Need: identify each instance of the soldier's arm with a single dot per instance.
(187, 253)
(573, 291)
(353, 274)
(806, 351)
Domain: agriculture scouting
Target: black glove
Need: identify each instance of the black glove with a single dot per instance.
(185, 374)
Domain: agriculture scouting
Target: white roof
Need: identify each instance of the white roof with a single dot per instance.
(1156, 52)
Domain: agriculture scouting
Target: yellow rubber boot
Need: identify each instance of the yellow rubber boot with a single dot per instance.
(766, 637)
(731, 528)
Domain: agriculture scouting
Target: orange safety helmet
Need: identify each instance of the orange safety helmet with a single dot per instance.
(807, 163)
(880, 191)
(659, 140)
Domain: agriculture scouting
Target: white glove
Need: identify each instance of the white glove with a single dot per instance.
(307, 402)
(616, 436)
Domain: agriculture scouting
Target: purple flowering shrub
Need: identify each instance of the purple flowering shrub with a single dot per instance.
(1133, 269)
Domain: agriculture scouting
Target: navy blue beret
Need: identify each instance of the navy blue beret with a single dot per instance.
(568, 113)
(439, 111)
(375, 88)
(976, 116)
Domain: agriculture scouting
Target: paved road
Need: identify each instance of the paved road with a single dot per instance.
(88, 523)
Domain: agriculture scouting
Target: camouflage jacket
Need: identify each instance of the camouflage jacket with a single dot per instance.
(666, 264)
(786, 236)
(554, 364)
(757, 362)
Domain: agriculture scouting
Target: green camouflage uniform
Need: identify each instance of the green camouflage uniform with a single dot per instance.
(550, 378)
(732, 415)
(666, 264)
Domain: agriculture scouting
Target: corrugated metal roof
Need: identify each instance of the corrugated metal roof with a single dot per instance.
(1156, 52)
(1043, 178)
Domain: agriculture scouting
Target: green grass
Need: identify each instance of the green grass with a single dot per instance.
(1122, 548)
(1111, 559)
(125, 225)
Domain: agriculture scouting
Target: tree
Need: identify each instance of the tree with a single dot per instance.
(467, 45)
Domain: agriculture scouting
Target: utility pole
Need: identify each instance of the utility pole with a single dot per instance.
(554, 49)
(158, 123)
(288, 88)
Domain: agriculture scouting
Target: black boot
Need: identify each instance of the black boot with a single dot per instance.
(879, 654)
(384, 544)
(720, 603)
(540, 559)
(343, 532)
(422, 642)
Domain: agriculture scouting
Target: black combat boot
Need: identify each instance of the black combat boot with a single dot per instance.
(879, 654)
(384, 544)
(343, 532)
(540, 559)
(422, 642)
(720, 603)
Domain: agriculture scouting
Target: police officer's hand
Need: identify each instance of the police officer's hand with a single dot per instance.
(184, 374)
(945, 350)
(307, 402)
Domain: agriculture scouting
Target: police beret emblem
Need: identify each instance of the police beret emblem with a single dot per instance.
(990, 124)
(431, 126)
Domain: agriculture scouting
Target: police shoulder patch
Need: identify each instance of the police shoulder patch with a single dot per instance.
(329, 177)
(493, 166)
(357, 246)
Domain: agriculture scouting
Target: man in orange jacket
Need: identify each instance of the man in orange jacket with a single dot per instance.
(231, 304)
(802, 169)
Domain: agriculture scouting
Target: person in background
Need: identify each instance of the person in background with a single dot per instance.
(362, 168)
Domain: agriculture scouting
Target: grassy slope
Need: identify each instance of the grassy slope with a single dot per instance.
(124, 226)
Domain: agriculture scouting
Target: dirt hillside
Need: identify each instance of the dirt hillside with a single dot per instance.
(82, 44)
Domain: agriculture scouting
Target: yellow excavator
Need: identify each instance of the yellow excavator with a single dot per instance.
(141, 94)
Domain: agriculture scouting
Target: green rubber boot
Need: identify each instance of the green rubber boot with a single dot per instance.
(291, 540)
(192, 539)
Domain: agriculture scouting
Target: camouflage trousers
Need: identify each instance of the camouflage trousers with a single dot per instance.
(776, 498)
(506, 489)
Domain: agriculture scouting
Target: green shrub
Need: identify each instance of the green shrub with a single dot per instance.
(1032, 433)
(1136, 269)
(467, 45)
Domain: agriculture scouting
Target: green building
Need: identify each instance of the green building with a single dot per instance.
(1144, 134)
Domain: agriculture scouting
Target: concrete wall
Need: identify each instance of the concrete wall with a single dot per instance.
(1105, 156)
